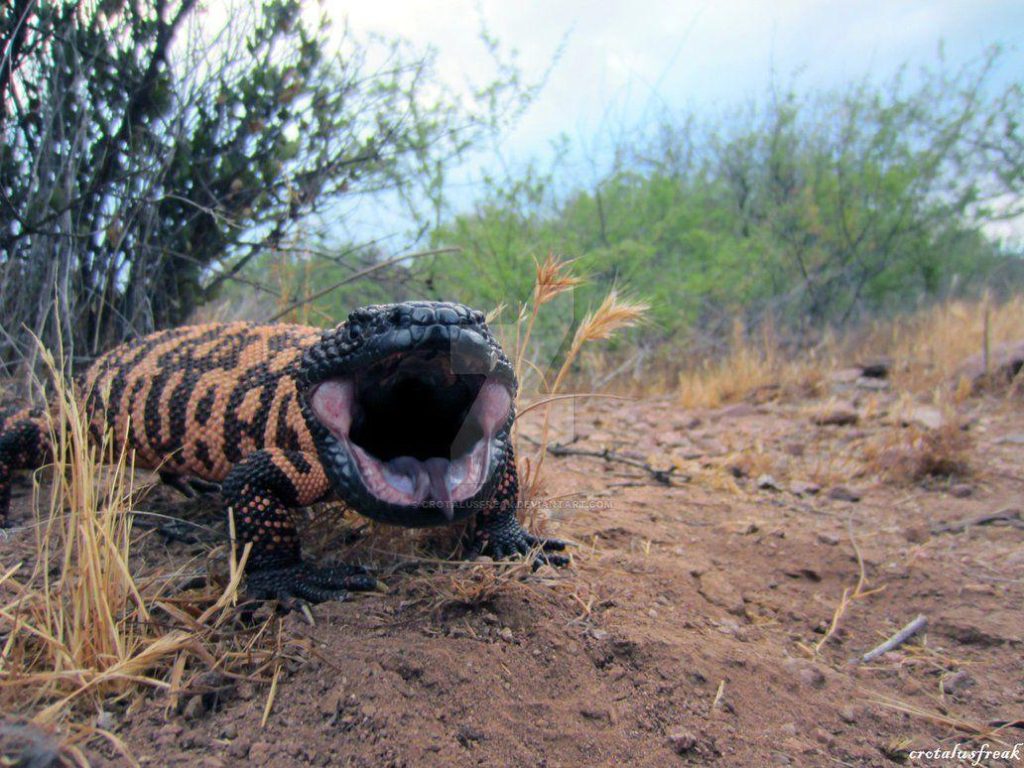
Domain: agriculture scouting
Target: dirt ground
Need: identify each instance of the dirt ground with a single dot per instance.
(695, 626)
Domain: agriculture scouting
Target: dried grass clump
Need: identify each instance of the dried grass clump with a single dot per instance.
(912, 454)
(82, 630)
(930, 346)
(754, 370)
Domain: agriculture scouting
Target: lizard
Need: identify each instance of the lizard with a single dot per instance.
(403, 412)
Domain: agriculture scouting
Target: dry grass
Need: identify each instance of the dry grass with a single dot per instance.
(929, 347)
(754, 366)
(926, 348)
(83, 632)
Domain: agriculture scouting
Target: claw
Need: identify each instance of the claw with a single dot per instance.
(303, 582)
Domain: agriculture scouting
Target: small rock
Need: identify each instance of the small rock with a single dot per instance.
(845, 375)
(806, 673)
(804, 488)
(843, 493)
(245, 690)
(506, 634)
(836, 415)
(239, 749)
(718, 589)
(467, 734)
(194, 709)
(767, 483)
(848, 715)
(169, 732)
(961, 490)
(229, 731)
(489, 618)
(599, 634)
(957, 682)
(736, 411)
(877, 368)
(260, 752)
(926, 416)
(875, 385)
(106, 721)
(828, 538)
(597, 713)
(812, 677)
(652, 613)
(916, 534)
(682, 741)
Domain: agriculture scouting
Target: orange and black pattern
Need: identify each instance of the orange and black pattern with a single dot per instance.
(220, 403)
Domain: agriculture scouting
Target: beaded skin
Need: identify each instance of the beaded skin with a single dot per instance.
(228, 404)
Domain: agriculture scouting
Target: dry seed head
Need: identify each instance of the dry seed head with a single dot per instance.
(613, 315)
(553, 278)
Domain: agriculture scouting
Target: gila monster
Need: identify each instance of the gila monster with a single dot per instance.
(403, 412)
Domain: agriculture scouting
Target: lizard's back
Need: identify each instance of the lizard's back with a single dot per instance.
(196, 400)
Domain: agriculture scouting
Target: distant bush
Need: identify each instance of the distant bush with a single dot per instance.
(813, 212)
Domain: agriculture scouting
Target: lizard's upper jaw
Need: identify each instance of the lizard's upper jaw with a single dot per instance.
(416, 435)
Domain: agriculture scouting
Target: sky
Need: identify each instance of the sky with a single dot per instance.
(613, 67)
(624, 62)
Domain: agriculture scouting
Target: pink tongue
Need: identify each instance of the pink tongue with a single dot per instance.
(437, 469)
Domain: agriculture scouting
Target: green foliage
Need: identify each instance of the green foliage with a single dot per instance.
(808, 211)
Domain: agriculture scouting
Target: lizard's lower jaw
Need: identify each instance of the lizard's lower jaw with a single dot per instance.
(414, 442)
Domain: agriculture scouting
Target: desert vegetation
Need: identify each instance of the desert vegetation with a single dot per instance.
(772, 354)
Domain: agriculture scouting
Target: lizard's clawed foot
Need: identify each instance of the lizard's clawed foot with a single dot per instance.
(502, 545)
(309, 583)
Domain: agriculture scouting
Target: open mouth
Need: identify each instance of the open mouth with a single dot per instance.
(420, 433)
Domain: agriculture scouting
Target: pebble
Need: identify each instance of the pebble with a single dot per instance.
(767, 483)
(682, 741)
(961, 490)
(194, 709)
(836, 416)
(916, 534)
(239, 749)
(848, 715)
(828, 538)
(260, 752)
(957, 682)
(864, 382)
(927, 416)
(843, 493)
(804, 488)
(106, 720)
(506, 634)
(812, 676)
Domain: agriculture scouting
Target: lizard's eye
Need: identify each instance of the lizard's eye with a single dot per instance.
(419, 425)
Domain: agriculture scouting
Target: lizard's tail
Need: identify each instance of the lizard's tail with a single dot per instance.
(24, 444)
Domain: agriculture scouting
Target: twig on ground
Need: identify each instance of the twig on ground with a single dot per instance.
(665, 476)
(1010, 515)
(895, 641)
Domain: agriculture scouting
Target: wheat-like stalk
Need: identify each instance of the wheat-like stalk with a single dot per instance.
(552, 279)
(612, 315)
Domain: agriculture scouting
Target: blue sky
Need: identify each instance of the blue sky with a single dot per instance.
(623, 65)
(622, 62)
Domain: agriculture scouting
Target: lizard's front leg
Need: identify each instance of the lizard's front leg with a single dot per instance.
(498, 532)
(259, 492)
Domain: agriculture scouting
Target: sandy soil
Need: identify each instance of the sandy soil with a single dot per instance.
(694, 625)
